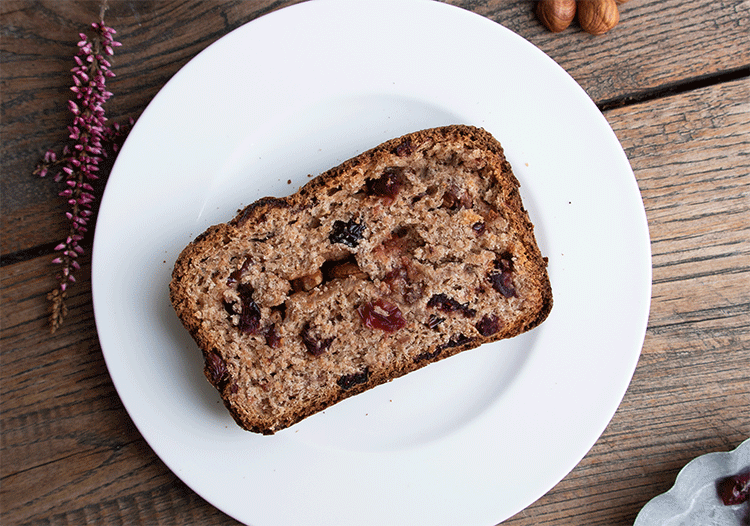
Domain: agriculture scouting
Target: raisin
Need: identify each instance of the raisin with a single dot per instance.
(405, 148)
(488, 325)
(502, 280)
(272, 337)
(216, 369)
(448, 304)
(229, 307)
(735, 489)
(349, 233)
(428, 355)
(381, 314)
(455, 341)
(350, 380)
(479, 228)
(250, 315)
(315, 346)
(434, 321)
(387, 185)
(455, 199)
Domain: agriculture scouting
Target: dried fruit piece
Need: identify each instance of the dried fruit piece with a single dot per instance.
(479, 228)
(502, 277)
(434, 321)
(381, 314)
(315, 345)
(448, 304)
(387, 185)
(488, 325)
(405, 148)
(455, 341)
(735, 489)
(236, 276)
(455, 199)
(349, 233)
(250, 315)
(216, 369)
(272, 337)
(350, 380)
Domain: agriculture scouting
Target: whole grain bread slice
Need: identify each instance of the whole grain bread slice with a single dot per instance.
(409, 253)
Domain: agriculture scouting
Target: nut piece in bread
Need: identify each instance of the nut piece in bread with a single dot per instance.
(409, 253)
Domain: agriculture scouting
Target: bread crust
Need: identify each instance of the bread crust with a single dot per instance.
(278, 351)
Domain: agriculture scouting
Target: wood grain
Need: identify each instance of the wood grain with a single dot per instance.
(657, 45)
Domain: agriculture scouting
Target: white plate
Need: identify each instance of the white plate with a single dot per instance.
(470, 440)
(694, 500)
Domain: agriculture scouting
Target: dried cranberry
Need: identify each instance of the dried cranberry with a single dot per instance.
(381, 314)
(387, 185)
(448, 304)
(488, 325)
(350, 380)
(236, 276)
(315, 346)
(216, 369)
(349, 233)
(502, 281)
(250, 315)
(405, 148)
(735, 489)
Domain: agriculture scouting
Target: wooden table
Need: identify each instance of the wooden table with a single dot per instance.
(672, 79)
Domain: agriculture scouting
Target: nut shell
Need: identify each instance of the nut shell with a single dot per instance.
(598, 16)
(556, 15)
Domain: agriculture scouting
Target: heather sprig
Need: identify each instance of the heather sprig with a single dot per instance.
(80, 161)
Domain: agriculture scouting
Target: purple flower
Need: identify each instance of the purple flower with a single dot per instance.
(92, 138)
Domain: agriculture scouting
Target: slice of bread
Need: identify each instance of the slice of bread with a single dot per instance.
(404, 255)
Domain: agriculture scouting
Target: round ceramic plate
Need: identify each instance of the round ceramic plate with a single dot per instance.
(469, 440)
(694, 499)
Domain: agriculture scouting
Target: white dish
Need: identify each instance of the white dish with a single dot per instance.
(470, 440)
(694, 500)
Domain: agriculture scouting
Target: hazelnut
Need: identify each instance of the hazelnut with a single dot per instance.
(308, 282)
(598, 16)
(556, 15)
(345, 270)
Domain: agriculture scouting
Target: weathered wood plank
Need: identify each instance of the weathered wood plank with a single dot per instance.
(70, 453)
(656, 44)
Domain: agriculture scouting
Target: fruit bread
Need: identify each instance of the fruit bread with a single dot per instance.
(404, 255)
